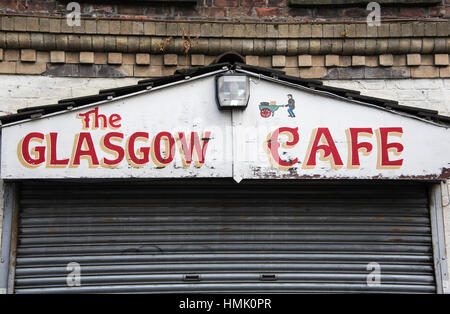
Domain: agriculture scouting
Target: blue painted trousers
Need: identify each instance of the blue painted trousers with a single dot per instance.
(291, 112)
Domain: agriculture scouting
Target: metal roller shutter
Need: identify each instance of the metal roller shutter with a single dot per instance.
(218, 236)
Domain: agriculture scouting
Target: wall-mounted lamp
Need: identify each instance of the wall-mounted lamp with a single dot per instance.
(232, 90)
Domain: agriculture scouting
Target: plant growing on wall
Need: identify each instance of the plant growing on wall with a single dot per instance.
(188, 43)
(165, 43)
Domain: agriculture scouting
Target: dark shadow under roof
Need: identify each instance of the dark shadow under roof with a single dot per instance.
(182, 75)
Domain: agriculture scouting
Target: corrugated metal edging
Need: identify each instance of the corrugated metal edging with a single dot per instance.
(218, 236)
(184, 75)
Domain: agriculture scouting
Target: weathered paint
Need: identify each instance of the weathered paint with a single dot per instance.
(187, 108)
(424, 147)
(242, 144)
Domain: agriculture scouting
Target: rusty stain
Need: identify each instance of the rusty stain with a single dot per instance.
(225, 229)
(378, 218)
(293, 174)
(51, 230)
(243, 218)
(400, 229)
(109, 219)
(445, 173)
(406, 218)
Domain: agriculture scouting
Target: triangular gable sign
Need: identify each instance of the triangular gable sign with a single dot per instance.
(285, 132)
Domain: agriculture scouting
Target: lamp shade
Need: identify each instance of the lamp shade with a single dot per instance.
(232, 91)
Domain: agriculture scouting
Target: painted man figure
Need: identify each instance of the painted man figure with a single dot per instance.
(291, 105)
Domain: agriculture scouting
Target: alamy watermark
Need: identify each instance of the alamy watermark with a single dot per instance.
(74, 16)
(374, 278)
(73, 279)
(374, 17)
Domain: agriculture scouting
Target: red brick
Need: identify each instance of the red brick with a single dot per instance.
(10, 4)
(389, 12)
(300, 12)
(412, 12)
(39, 5)
(214, 12)
(277, 3)
(354, 12)
(102, 8)
(185, 11)
(158, 10)
(240, 11)
(21, 6)
(253, 3)
(437, 11)
(327, 12)
(131, 9)
(268, 12)
(447, 12)
(226, 3)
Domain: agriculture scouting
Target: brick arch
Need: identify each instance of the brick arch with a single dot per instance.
(230, 57)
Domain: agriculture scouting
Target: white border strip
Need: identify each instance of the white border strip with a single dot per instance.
(188, 79)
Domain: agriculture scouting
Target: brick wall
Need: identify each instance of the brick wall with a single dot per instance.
(244, 10)
(423, 93)
(111, 48)
(89, 64)
(21, 91)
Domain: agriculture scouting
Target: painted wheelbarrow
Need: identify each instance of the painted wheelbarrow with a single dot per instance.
(268, 109)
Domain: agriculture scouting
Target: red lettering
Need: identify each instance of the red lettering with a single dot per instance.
(195, 148)
(84, 148)
(157, 158)
(328, 150)
(273, 145)
(143, 152)
(384, 147)
(356, 147)
(109, 147)
(38, 152)
(100, 120)
(52, 160)
(113, 119)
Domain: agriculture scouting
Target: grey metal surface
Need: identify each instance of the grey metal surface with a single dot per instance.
(218, 236)
(8, 213)
(440, 258)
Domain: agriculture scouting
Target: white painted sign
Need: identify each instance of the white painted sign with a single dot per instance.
(170, 132)
(306, 135)
(284, 133)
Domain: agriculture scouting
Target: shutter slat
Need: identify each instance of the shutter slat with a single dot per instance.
(147, 236)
